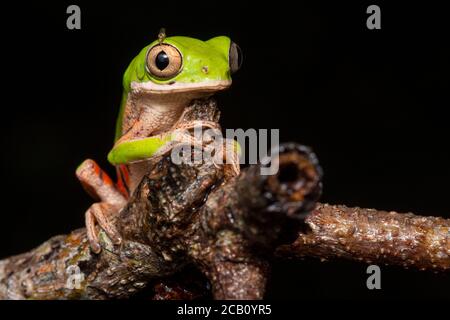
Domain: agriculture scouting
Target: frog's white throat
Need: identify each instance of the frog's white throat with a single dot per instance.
(162, 105)
(171, 99)
(179, 87)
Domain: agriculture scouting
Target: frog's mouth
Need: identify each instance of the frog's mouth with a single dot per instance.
(180, 87)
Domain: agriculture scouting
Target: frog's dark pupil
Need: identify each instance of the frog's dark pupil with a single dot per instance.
(162, 60)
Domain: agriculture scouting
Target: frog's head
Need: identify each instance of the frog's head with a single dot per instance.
(183, 65)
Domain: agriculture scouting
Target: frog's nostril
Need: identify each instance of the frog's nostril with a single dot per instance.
(205, 69)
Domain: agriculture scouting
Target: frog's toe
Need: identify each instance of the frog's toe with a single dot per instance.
(92, 232)
(103, 214)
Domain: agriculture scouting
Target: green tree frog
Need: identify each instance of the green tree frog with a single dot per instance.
(158, 85)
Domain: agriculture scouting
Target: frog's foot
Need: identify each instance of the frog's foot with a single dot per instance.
(178, 138)
(223, 153)
(230, 156)
(104, 215)
(101, 187)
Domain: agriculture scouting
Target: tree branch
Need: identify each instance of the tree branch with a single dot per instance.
(170, 222)
(228, 228)
(373, 236)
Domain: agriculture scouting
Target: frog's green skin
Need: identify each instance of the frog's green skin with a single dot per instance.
(149, 109)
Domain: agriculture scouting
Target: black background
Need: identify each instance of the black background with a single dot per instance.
(371, 103)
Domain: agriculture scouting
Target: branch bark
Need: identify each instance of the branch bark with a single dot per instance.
(373, 236)
(170, 222)
(228, 228)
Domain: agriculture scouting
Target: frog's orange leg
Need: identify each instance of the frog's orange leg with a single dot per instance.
(101, 187)
(123, 180)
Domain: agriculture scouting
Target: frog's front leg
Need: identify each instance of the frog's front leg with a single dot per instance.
(99, 185)
(158, 145)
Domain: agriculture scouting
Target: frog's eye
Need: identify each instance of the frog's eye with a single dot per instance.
(164, 61)
(235, 57)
